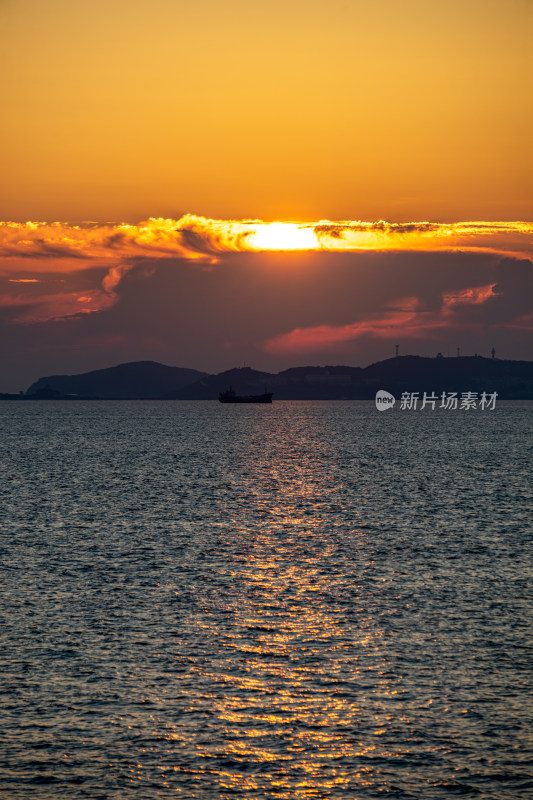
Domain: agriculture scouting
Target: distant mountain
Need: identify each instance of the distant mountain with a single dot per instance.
(149, 380)
(511, 379)
(297, 383)
(245, 380)
(136, 380)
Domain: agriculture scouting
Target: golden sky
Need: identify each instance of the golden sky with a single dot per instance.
(150, 150)
(286, 109)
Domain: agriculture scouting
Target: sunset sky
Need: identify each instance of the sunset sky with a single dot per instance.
(147, 149)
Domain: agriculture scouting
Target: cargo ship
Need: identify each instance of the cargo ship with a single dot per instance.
(230, 396)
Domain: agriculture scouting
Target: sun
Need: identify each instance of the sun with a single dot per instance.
(283, 236)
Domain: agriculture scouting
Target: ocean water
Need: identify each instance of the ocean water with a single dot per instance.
(303, 600)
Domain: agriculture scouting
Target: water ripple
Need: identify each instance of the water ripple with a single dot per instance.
(310, 600)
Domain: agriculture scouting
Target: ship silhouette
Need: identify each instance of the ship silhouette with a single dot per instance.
(230, 396)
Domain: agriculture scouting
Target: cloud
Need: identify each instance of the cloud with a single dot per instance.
(190, 237)
(495, 237)
(471, 296)
(32, 252)
(392, 325)
(349, 308)
(60, 305)
(476, 308)
(193, 237)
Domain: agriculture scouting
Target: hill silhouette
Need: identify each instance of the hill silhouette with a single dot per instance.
(511, 379)
(150, 380)
(135, 380)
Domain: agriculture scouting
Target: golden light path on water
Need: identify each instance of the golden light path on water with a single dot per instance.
(290, 601)
(292, 685)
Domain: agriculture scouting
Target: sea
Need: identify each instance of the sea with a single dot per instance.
(296, 600)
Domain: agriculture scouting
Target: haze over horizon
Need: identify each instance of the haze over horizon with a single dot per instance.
(189, 134)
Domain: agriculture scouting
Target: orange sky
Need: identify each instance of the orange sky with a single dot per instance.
(214, 121)
(116, 110)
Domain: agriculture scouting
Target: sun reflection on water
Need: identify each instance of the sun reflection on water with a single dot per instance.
(295, 645)
(289, 611)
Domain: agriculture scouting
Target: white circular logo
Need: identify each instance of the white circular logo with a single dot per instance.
(384, 400)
